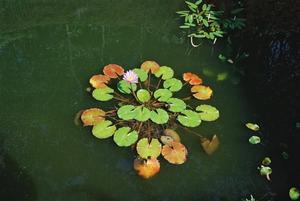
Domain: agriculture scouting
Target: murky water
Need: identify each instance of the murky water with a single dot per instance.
(48, 51)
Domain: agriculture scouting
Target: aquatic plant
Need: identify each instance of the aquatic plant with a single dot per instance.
(147, 111)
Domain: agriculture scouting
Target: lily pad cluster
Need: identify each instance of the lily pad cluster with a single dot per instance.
(145, 109)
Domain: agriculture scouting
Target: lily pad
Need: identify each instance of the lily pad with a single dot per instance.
(208, 112)
(99, 81)
(113, 70)
(173, 84)
(104, 129)
(124, 137)
(103, 94)
(143, 95)
(252, 126)
(166, 139)
(192, 78)
(159, 116)
(210, 146)
(142, 74)
(162, 94)
(254, 139)
(151, 66)
(142, 114)
(173, 134)
(174, 152)
(201, 92)
(146, 149)
(266, 161)
(164, 72)
(125, 87)
(92, 116)
(176, 105)
(294, 193)
(265, 171)
(146, 168)
(126, 112)
(189, 118)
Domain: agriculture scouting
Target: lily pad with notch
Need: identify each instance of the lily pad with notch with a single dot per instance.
(176, 105)
(142, 113)
(159, 116)
(103, 94)
(126, 112)
(208, 112)
(104, 129)
(143, 95)
(125, 137)
(126, 87)
(189, 118)
(163, 95)
(173, 84)
(165, 72)
(142, 74)
(146, 148)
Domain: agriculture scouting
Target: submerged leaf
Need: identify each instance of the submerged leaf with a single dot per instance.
(222, 76)
(146, 149)
(92, 116)
(146, 168)
(126, 112)
(254, 139)
(164, 72)
(124, 137)
(174, 152)
(159, 116)
(142, 74)
(99, 81)
(208, 112)
(294, 193)
(125, 87)
(143, 95)
(104, 129)
(252, 126)
(142, 114)
(162, 95)
(173, 84)
(103, 94)
(173, 134)
(151, 66)
(113, 70)
(189, 118)
(176, 105)
(201, 92)
(166, 139)
(210, 146)
(192, 78)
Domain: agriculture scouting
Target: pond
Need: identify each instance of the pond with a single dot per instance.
(48, 52)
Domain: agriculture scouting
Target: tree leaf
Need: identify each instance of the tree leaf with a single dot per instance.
(142, 74)
(113, 70)
(151, 66)
(104, 129)
(254, 139)
(165, 72)
(99, 81)
(146, 168)
(252, 126)
(189, 118)
(92, 116)
(159, 116)
(163, 95)
(173, 84)
(208, 112)
(174, 152)
(125, 87)
(147, 149)
(143, 95)
(126, 112)
(142, 113)
(294, 193)
(210, 146)
(176, 105)
(103, 94)
(201, 92)
(124, 137)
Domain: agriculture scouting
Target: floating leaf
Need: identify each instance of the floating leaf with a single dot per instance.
(252, 126)
(164, 72)
(142, 114)
(151, 66)
(125, 87)
(254, 139)
(92, 116)
(166, 139)
(266, 161)
(192, 78)
(124, 137)
(294, 193)
(143, 95)
(142, 74)
(208, 112)
(159, 116)
(265, 171)
(189, 118)
(99, 81)
(104, 129)
(210, 146)
(103, 94)
(176, 105)
(113, 70)
(173, 84)
(174, 153)
(146, 149)
(173, 134)
(162, 94)
(146, 168)
(201, 92)
(126, 112)
(222, 76)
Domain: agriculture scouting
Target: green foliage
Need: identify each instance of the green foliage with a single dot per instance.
(143, 95)
(125, 137)
(162, 95)
(159, 116)
(173, 84)
(147, 149)
(125, 87)
(176, 105)
(189, 118)
(208, 112)
(103, 94)
(164, 72)
(104, 129)
(126, 112)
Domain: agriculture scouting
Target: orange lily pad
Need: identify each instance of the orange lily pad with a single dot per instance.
(192, 78)
(99, 81)
(113, 70)
(201, 92)
(174, 152)
(92, 116)
(210, 146)
(146, 168)
(150, 66)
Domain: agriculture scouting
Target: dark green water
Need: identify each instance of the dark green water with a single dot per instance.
(48, 51)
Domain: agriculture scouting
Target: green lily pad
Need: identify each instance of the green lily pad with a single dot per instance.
(176, 105)
(146, 149)
(143, 75)
(266, 161)
(103, 94)
(294, 193)
(254, 139)
(159, 116)
(124, 138)
(208, 112)
(125, 87)
(104, 129)
(162, 94)
(142, 114)
(265, 171)
(189, 118)
(143, 95)
(173, 84)
(126, 112)
(164, 72)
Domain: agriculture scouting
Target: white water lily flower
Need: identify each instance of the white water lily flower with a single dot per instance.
(131, 77)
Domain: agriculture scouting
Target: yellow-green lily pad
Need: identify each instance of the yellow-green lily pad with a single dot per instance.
(143, 95)
(294, 193)
(103, 94)
(126, 87)
(208, 112)
(252, 126)
(126, 112)
(189, 118)
(142, 74)
(176, 105)
(159, 116)
(104, 129)
(124, 137)
(254, 139)
(173, 84)
(148, 149)
(142, 113)
(163, 95)
(164, 72)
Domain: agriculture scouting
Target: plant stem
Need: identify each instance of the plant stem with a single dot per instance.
(158, 84)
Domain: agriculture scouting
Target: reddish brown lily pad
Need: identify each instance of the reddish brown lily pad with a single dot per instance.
(192, 78)
(174, 152)
(146, 168)
(99, 81)
(201, 92)
(113, 70)
(150, 66)
(92, 116)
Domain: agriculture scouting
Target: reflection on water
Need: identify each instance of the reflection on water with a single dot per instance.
(46, 76)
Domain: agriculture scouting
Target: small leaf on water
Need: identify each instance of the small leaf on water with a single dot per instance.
(189, 118)
(146, 149)
(173, 134)
(124, 137)
(159, 116)
(172, 84)
(166, 139)
(143, 95)
(151, 66)
(142, 74)
(99, 81)
(201, 92)
(265, 171)
(208, 112)
(267, 161)
(164, 72)
(126, 112)
(103, 94)
(113, 70)
(254, 139)
(176, 105)
(146, 168)
(174, 152)
(92, 116)
(142, 113)
(163, 95)
(222, 76)
(294, 193)
(252, 126)
(192, 78)
(104, 129)
(125, 87)
(210, 146)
